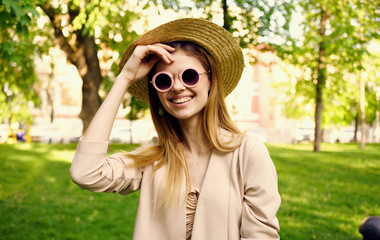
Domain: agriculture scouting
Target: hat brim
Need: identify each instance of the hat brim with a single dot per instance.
(213, 38)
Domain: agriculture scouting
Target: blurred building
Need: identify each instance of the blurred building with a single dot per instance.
(253, 102)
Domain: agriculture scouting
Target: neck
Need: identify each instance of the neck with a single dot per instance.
(194, 137)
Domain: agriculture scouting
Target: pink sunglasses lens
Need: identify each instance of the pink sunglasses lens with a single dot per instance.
(190, 77)
(163, 81)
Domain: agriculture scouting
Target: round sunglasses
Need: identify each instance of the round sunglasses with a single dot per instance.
(164, 81)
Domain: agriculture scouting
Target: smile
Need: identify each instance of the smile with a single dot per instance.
(181, 100)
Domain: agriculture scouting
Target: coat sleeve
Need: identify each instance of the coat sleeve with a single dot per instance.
(261, 199)
(93, 171)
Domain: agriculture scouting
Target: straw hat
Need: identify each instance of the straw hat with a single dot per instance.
(215, 39)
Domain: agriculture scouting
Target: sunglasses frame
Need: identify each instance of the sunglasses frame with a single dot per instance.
(172, 77)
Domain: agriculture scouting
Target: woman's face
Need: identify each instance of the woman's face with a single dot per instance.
(182, 102)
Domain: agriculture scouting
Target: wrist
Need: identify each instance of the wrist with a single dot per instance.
(125, 78)
(126, 75)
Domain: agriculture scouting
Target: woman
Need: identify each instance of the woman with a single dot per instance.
(201, 178)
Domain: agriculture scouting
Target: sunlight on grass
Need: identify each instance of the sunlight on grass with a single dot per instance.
(332, 191)
(324, 195)
(36, 192)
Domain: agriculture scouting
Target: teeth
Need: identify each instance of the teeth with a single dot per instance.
(181, 100)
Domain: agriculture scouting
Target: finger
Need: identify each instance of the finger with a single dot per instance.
(161, 52)
(169, 50)
(166, 47)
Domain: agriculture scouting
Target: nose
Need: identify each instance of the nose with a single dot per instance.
(177, 85)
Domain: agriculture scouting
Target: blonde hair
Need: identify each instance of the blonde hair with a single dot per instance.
(170, 152)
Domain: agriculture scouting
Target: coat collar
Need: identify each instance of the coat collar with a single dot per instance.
(214, 192)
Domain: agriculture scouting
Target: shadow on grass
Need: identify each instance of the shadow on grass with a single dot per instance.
(326, 195)
(39, 201)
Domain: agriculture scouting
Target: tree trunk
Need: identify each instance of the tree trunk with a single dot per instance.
(377, 123)
(362, 111)
(83, 55)
(226, 17)
(362, 77)
(49, 94)
(92, 78)
(321, 80)
(356, 125)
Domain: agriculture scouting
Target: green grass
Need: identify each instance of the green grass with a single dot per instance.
(324, 195)
(39, 201)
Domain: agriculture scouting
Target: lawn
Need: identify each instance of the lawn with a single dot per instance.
(324, 195)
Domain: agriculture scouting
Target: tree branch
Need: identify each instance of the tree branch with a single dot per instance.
(61, 39)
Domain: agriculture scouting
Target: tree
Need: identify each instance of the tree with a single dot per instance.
(321, 79)
(82, 29)
(372, 88)
(17, 77)
(330, 49)
(73, 26)
(251, 22)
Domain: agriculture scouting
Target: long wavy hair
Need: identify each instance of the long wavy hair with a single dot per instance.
(220, 130)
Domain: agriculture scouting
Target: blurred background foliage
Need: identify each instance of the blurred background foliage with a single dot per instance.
(16, 59)
(325, 42)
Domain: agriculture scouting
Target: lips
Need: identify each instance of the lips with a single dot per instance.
(181, 100)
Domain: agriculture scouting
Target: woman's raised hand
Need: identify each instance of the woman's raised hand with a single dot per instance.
(143, 58)
(138, 66)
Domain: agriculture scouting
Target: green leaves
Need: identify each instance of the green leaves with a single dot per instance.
(350, 27)
(250, 21)
(17, 14)
(17, 59)
(137, 110)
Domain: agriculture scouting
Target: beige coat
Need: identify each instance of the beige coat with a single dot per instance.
(239, 198)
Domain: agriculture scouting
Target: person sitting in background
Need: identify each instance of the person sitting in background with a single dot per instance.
(21, 134)
(370, 228)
